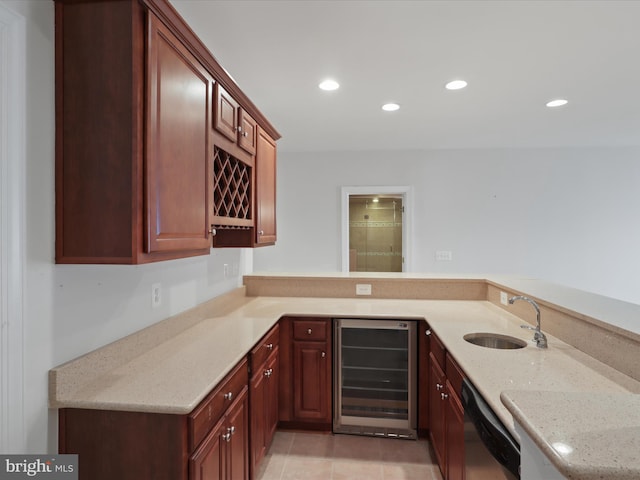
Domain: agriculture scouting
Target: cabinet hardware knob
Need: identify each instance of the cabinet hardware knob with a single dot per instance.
(228, 395)
(212, 231)
(245, 134)
(239, 129)
(324, 354)
(269, 346)
(231, 430)
(439, 386)
(226, 437)
(261, 232)
(309, 332)
(444, 396)
(428, 333)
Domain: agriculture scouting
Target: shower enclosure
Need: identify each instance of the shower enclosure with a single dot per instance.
(375, 375)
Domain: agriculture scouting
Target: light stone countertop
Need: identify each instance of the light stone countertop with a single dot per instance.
(175, 374)
(586, 437)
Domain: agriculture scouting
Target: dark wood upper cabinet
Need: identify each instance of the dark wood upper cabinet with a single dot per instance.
(265, 189)
(177, 145)
(226, 114)
(247, 133)
(136, 107)
(233, 121)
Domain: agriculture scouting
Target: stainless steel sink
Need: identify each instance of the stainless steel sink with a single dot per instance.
(495, 340)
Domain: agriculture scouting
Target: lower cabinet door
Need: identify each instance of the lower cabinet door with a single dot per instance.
(455, 436)
(264, 408)
(237, 423)
(272, 400)
(258, 417)
(437, 412)
(311, 382)
(224, 453)
(209, 461)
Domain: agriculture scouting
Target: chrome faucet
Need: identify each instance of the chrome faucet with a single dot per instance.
(538, 337)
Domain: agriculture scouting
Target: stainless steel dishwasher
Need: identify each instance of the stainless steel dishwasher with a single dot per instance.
(490, 451)
(375, 377)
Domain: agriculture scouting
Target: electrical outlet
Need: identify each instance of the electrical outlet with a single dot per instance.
(156, 295)
(504, 300)
(363, 289)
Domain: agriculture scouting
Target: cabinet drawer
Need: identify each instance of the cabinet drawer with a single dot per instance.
(454, 375)
(310, 329)
(438, 351)
(210, 410)
(264, 347)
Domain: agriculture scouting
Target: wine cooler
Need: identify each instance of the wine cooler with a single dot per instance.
(375, 375)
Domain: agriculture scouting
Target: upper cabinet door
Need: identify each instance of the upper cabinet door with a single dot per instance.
(177, 145)
(265, 189)
(225, 119)
(247, 132)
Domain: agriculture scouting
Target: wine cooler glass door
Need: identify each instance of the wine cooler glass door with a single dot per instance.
(376, 377)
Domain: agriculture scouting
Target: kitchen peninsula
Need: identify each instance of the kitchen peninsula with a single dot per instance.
(170, 367)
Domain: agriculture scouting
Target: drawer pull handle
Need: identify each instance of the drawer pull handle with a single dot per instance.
(324, 354)
(226, 437)
(444, 396)
(269, 346)
(309, 332)
(439, 386)
(231, 430)
(228, 395)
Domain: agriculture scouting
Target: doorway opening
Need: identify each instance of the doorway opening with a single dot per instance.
(374, 229)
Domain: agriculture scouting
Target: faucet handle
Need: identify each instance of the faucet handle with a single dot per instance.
(540, 339)
(528, 327)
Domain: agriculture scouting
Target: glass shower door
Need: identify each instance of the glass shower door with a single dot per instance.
(375, 233)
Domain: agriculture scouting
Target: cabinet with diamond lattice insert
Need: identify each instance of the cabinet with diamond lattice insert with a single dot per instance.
(133, 153)
(244, 191)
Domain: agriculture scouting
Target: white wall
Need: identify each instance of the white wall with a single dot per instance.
(72, 309)
(569, 216)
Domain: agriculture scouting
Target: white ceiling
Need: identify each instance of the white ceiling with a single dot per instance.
(516, 56)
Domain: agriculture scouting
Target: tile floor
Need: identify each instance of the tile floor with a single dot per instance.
(323, 456)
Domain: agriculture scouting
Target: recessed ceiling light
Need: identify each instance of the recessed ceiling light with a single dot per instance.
(557, 103)
(456, 85)
(329, 85)
(390, 107)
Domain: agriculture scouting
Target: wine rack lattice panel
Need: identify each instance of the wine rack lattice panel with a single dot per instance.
(231, 186)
